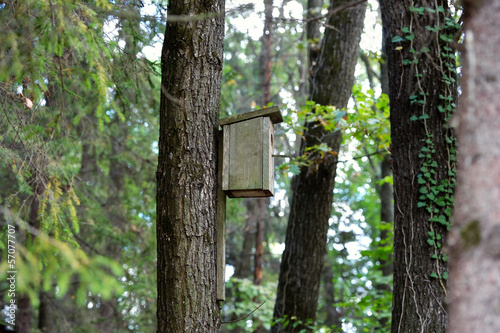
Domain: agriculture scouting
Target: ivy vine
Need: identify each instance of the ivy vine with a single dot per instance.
(436, 197)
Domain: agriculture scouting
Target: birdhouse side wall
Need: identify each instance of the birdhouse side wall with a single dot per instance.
(248, 164)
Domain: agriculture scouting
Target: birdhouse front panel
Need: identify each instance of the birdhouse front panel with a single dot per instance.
(248, 163)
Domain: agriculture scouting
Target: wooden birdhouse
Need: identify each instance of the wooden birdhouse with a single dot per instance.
(248, 165)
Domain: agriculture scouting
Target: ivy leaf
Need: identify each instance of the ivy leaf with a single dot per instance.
(294, 169)
(410, 37)
(397, 39)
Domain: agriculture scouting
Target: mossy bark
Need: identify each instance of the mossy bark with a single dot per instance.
(475, 236)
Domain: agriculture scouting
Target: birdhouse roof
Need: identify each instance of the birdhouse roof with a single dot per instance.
(273, 113)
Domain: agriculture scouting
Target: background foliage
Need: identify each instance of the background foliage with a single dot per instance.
(79, 93)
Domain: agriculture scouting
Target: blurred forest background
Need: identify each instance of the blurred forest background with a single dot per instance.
(79, 95)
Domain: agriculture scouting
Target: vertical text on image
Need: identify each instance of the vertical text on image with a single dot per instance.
(11, 274)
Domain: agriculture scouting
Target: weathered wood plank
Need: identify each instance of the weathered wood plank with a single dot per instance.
(226, 160)
(273, 113)
(221, 228)
(245, 155)
(267, 171)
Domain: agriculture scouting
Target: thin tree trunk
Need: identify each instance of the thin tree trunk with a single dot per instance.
(25, 309)
(24, 315)
(45, 310)
(243, 267)
(266, 65)
(311, 203)
(386, 211)
(333, 316)
(263, 203)
(313, 33)
(187, 168)
(475, 236)
(266, 56)
(259, 240)
(386, 192)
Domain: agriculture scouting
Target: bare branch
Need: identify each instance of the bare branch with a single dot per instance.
(243, 318)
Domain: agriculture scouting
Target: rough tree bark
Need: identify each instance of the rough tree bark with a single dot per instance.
(475, 235)
(422, 166)
(187, 167)
(311, 203)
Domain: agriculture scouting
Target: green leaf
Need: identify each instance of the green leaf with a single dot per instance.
(397, 39)
(410, 37)
(447, 38)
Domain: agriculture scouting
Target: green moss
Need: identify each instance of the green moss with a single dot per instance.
(471, 234)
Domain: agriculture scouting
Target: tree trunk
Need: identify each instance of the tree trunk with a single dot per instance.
(187, 167)
(475, 236)
(25, 308)
(45, 313)
(263, 203)
(311, 203)
(24, 315)
(333, 316)
(386, 211)
(258, 272)
(422, 91)
(243, 267)
(386, 192)
(313, 33)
